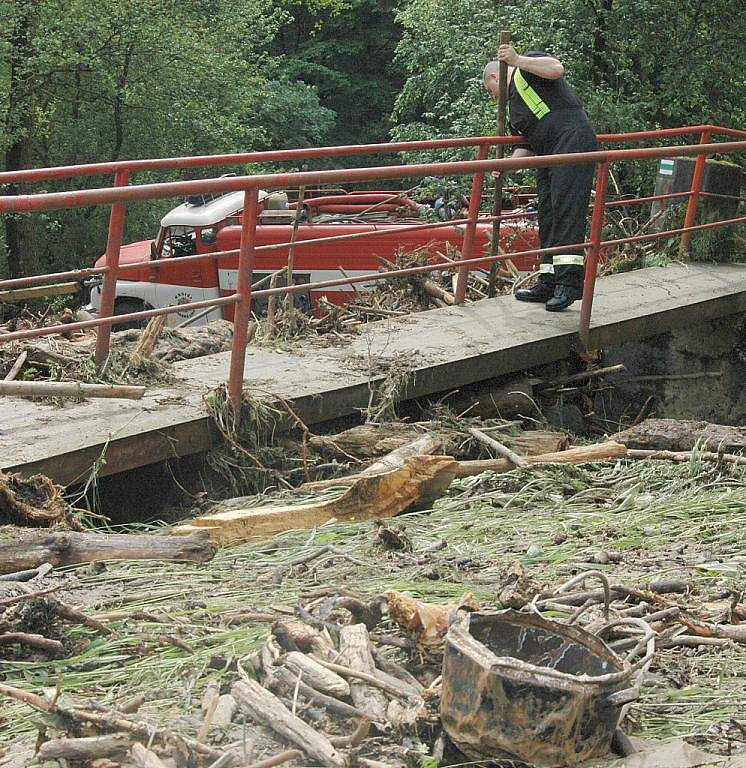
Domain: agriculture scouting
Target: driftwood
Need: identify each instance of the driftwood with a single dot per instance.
(265, 708)
(580, 455)
(28, 548)
(16, 367)
(355, 653)
(315, 675)
(86, 748)
(422, 446)
(143, 757)
(69, 389)
(366, 441)
(726, 458)
(434, 290)
(682, 435)
(497, 446)
(368, 498)
(289, 681)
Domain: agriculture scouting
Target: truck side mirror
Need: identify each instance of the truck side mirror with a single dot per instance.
(154, 255)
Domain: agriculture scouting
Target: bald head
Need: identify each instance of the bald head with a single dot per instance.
(491, 77)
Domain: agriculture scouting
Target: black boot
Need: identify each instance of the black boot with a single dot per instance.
(540, 293)
(564, 295)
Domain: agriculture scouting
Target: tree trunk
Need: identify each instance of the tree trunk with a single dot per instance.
(682, 435)
(20, 128)
(21, 548)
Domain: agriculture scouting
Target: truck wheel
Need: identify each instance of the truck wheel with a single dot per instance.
(125, 307)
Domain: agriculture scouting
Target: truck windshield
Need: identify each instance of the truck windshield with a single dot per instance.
(178, 241)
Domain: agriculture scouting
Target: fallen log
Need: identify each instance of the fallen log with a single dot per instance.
(28, 548)
(366, 441)
(16, 367)
(315, 675)
(265, 708)
(682, 435)
(434, 290)
(69, 389)
(420, 479)
(580, 455)
(355, 653)
(85, 748)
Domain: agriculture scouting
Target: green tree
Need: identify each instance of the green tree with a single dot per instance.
(635, 63)
(82, 81)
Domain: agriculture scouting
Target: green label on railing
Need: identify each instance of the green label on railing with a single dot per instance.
(666, 167)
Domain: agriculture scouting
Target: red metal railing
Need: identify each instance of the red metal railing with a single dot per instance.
(122, 193)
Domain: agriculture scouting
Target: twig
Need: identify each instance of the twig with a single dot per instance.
(74, 615)
(26, 697)
(355, 738)
(278, 759)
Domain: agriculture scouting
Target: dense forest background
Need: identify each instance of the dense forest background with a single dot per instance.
(83, 81)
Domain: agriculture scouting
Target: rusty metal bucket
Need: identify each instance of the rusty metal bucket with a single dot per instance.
(518, 686)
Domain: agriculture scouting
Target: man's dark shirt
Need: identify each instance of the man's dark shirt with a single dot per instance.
(557, 94)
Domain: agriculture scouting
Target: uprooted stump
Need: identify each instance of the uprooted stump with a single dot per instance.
(33, 501)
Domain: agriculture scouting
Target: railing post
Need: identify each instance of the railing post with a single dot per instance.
(591, 262)
(691, 209)
(242, 312)
(471, 228)
(109, 287)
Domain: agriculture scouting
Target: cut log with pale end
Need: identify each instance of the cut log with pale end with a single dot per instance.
(265, 708)
(69, 389)
(368, 498)
(366, 441)
(580, 455)
(85, 748)
(434, 290)
(27, 548)
(355, 653)
(424, 445)
(534, 442)
(682, 435)
(315, 675)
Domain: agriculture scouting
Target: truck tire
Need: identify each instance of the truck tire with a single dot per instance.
(125, 307)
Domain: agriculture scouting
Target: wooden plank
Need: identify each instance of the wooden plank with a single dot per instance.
(447, 348)
(38, 292)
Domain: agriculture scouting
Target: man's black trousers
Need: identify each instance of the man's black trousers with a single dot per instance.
(564, 193)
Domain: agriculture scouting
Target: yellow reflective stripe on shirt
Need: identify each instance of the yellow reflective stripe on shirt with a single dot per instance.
(532, 99)
(568, 260)
(546, 269)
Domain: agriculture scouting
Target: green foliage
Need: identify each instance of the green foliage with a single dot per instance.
(635, 63)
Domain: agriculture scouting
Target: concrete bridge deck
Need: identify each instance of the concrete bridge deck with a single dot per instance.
(442, 348)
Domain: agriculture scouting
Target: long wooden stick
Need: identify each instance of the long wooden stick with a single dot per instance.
(503, 450)
(579, 455)
(69, 389)
(497, 201)
(725, 458)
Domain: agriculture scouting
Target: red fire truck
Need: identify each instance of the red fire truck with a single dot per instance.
(206, 225)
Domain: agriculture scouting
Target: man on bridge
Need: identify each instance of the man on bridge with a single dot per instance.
(545, 110)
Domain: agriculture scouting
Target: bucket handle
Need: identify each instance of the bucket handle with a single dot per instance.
(646, 641)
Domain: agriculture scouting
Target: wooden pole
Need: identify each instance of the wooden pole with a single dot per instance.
(502, 105)
(69, 389)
